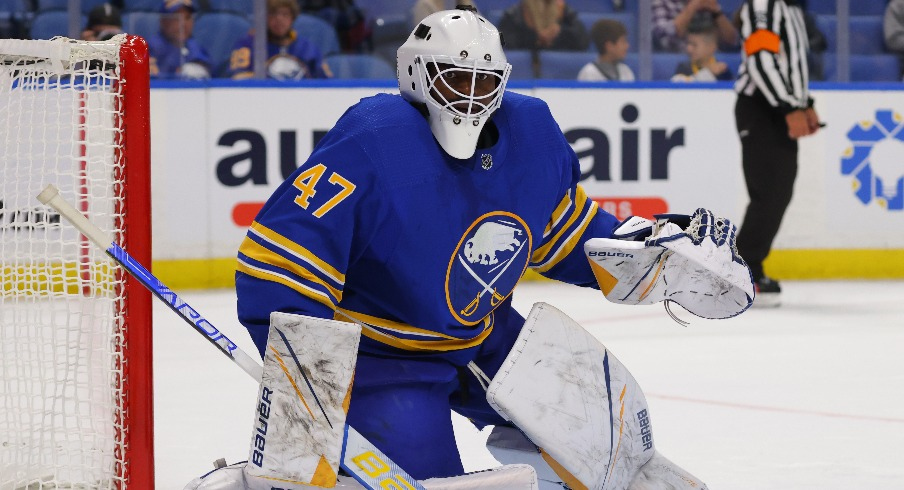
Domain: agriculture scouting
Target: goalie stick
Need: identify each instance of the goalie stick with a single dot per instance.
(367, 464)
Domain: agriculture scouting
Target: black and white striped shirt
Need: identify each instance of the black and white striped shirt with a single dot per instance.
(774, 53)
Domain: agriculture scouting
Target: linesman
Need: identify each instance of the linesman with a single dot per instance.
(773, 110)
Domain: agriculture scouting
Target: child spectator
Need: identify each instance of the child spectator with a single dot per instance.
(173, 52)
(702, 65)
(289, 57)
(104, 22)
(611, 40)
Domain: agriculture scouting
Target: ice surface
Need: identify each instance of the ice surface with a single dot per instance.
(809, 395)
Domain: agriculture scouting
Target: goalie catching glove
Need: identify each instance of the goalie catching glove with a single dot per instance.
(691, 260)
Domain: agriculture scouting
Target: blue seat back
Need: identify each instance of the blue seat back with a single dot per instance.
(218, 33)
(144, 24)
(241, 7)
(46, 25)
(875, 68)
(866, 35)
(664, 64)
(318, 31)
(563, 65)
(522, 64)
(142, 5)
(363, 66)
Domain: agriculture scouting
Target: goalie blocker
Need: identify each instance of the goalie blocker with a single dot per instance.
(689, 260)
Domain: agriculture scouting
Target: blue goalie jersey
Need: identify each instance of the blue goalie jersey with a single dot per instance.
(382, 226)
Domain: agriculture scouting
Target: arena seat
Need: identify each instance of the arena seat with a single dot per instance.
(14, 17)
(142, 5)
(626, 18)
(875, 68)
(218, 33)
(601, 6)
(363, 66)
(319, 32)
(664, 64)
(868, 7)
(241, 7)
(563, 65)
(144, 24)
(522, 64)
(828, 25)
(821, 7)
(729, 7)
(46, 25)
(866, 35)
(733, 60)
(86, 5)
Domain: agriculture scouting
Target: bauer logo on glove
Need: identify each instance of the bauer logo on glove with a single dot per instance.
(697, 267)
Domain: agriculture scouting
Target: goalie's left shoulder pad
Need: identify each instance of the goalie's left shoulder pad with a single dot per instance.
(697, 267)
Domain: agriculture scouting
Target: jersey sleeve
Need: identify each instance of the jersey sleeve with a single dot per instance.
(296, 252)
(575, 219)
(784, 84)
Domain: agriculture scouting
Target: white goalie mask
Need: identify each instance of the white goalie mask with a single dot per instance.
(454, 63)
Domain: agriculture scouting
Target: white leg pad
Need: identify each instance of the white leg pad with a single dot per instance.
(574, 400)
(299, 423)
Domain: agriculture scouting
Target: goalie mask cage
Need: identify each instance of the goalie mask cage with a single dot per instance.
(76, 407)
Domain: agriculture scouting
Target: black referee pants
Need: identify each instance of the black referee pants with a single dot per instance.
(769, 160)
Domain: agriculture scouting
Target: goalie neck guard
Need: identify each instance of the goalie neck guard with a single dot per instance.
(453, 63)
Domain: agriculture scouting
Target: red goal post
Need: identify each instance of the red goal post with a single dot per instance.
(76, 405)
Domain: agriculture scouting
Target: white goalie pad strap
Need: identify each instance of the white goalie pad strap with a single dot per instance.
(508, 477)
(575, 400)
(299, 424)
(698, 268)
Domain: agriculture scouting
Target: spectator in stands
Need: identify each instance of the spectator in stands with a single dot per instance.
(702, 65)
(543, 24)
(104, 22)
(611, 40)
(289, 57)
(671, 19)
(173, 52)
(893, 29)
(354, 31)
(423, 8)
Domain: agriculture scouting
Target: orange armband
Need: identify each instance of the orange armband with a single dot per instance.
(762, 40)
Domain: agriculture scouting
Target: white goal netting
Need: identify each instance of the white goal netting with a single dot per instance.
(63, 408)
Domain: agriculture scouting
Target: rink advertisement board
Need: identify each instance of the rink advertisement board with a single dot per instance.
(218, 152)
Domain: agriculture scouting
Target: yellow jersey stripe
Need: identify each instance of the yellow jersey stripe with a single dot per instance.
(558, 213)
(424, 345)
(541, 253)
(395, 326)
(570, 242)
(297, 250)
(260, 253)
(302, 289)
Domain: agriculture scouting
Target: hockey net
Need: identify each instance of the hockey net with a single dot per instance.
(75, 342)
